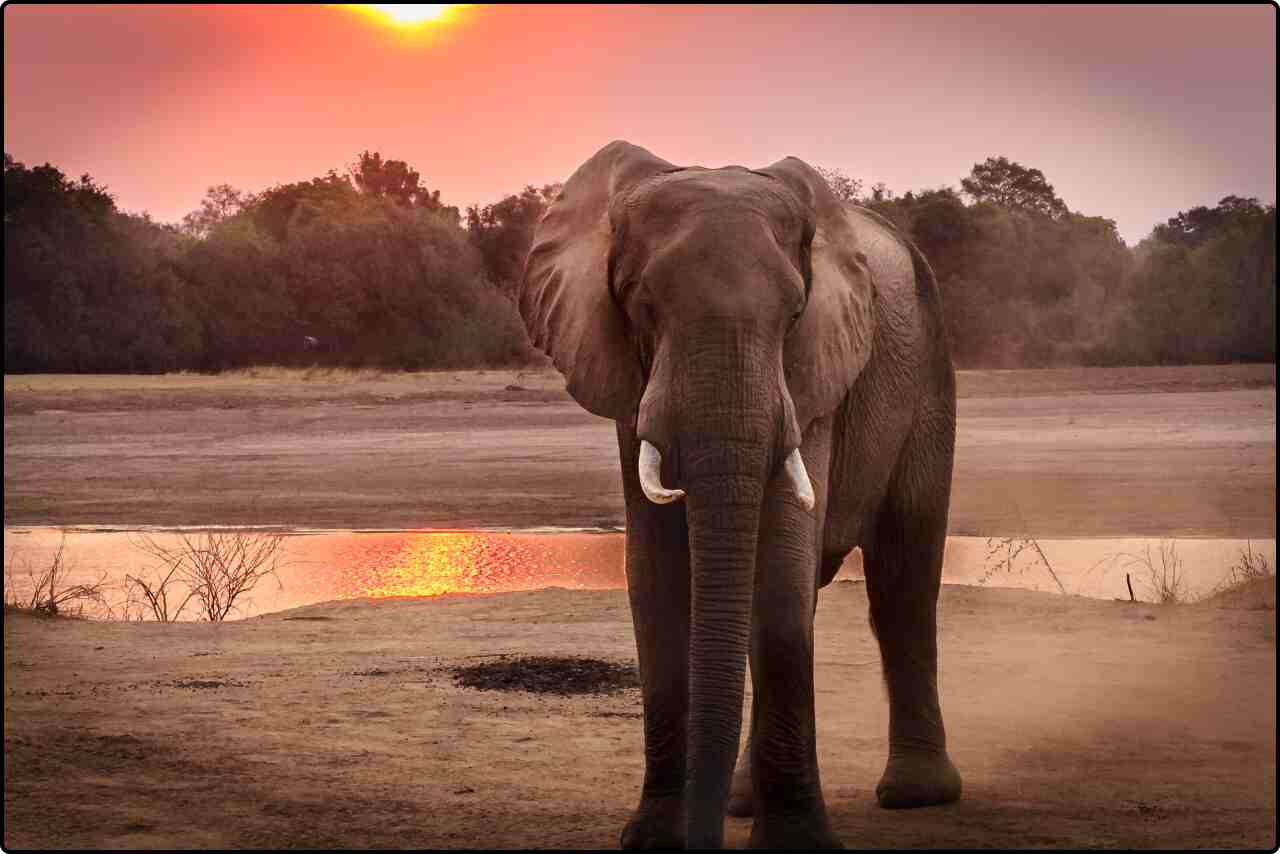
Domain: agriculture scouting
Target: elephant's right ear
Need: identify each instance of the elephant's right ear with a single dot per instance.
(565, 297)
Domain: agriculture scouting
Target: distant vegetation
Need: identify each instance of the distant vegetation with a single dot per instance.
(369, 267)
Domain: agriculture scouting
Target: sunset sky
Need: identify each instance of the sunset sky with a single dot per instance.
(1132, 113)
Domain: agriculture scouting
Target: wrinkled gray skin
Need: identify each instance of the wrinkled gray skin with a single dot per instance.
(728, 316)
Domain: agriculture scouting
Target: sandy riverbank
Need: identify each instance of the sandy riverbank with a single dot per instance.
(1076, 723)
(1187, 451)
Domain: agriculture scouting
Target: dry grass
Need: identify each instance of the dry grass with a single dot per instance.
(1003, 553)
(1162, 574)
(1250, 567)
(1250, 571)
(47, 591)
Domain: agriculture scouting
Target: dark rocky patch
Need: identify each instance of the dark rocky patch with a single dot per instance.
(560, 675)
(204, 684)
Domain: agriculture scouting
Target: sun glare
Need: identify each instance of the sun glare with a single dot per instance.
(411, 14)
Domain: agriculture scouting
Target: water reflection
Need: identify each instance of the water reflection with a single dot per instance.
(322, 566)
(431, 564)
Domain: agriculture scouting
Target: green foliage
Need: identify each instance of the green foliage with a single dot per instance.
(87, 288)
(220, 203)
(503, 232)
(1005, 183)
(1027, 283)
(397, 181)
(1204, 290)
(317, 271)
(275, 208)
(371, 268)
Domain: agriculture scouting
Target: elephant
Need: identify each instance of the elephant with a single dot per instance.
(776, 366)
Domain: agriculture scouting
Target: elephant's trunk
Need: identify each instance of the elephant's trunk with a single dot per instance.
(724, 517)
(727, 443)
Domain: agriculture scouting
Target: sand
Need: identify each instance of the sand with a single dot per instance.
(1075, 722)
(1068, 453)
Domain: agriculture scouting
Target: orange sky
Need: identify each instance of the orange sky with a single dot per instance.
(1132, 113)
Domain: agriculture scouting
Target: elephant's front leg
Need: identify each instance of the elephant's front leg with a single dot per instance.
(787, 794)
(658, 586)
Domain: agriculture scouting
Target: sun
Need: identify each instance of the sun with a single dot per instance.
(411, 15)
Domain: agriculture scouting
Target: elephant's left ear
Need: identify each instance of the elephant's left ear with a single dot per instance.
(832, 341)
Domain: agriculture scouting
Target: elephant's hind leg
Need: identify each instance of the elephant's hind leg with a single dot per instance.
(904, 574)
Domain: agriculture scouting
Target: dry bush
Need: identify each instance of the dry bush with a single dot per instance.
(1250, 567)
(1003, 552)
(48, 591)
(152, 593)
(1163, 574)
(216, 569)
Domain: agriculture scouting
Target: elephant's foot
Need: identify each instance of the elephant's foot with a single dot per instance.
(804, 831)
(918, 779)
(657, 823)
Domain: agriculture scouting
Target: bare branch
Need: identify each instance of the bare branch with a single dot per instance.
(218, 569)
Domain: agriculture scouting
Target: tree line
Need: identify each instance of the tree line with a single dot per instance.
(369, 267)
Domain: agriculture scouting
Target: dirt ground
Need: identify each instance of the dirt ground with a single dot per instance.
(1075, 722)
(1187, 451)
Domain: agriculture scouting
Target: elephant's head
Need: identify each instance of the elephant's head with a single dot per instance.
(717, 312)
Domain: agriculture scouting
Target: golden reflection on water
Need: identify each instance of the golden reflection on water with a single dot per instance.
(322, 566)
(436, 563)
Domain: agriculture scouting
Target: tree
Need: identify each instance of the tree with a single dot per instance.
(43, 194)
(845, 187)
(942, 227)
(397, 181)
(274, 209)
(381, 272)
(1192, 228)
(221, 202)
(1202, 289)
(87, 288)
(1007, 184)
(503, 232)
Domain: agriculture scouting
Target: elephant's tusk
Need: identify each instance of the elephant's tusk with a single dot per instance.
(800, 479)
(651, 476)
